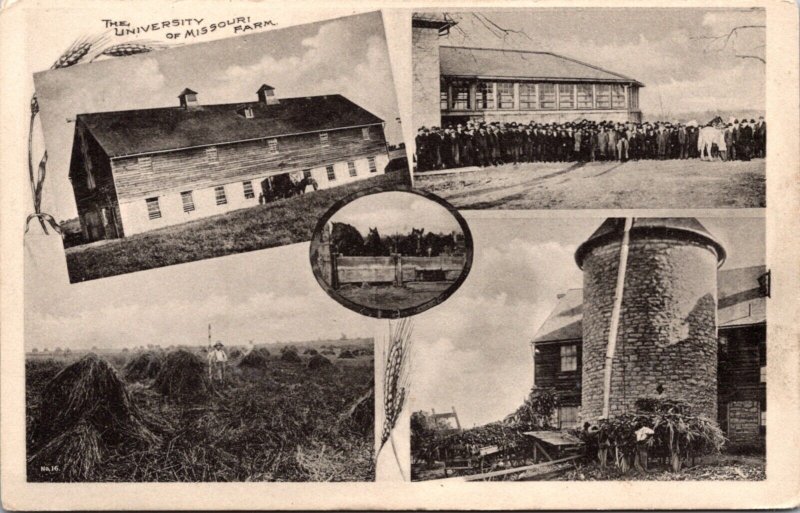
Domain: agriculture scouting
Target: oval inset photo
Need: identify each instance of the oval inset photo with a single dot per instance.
(391, 254)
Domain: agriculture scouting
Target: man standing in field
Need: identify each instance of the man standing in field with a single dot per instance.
(217, 359)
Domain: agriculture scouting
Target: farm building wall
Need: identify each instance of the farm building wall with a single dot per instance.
(426, 88)
(95, 197)
(556, 116)
(742, 383)
(136, 219)
(548, 372)
(667, 335)
(741, 388)
(199, 168)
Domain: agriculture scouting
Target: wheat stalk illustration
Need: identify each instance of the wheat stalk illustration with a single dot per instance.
(396, 381)
(84, 49)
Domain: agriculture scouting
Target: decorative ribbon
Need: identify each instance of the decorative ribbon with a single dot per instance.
(43, 216)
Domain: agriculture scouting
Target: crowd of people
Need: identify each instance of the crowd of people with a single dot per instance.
(492, 144)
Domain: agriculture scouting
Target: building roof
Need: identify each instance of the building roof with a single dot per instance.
(500, 63)
(135, 132)
(439, 21)
(564, 322)
(740, 303)
(613, 227)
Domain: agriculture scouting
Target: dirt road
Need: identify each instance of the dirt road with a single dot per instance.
(640, 184)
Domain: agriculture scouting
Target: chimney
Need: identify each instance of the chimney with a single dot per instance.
(266, 95)
(188, 98)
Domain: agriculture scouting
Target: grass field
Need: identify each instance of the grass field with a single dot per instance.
(276, 224)
(285, 422)
(640, 184)
(388, 297)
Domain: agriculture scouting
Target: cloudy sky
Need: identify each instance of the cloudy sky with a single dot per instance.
(345, 56)
(472, 351)
(654, 46)
(396, 212)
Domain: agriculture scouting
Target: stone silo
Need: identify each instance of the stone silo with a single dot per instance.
(667, 337)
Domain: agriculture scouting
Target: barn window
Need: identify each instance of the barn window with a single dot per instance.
(505, 95)
(351, 168)
(443, 104)
(188, 201)
(547, 96)
(211, 154)
(331, 173)
(248, 190)
(484, 95)
(153, 210)
(527, 96)
(763, 373)
(306, 173)
(145, 163)
(323, 139)
(460, 96)
(372, 167)
(585, 96)
(365, 133)
(272, 145)
(566, 100)
(603, 92)
(569, 358)
(567, 417)
(219, 195)
(617, 96)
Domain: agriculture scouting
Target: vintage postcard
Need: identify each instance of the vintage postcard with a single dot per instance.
(175, 155)
(392, 255)
(591, 107)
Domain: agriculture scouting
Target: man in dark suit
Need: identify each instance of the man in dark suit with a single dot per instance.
(761, 138)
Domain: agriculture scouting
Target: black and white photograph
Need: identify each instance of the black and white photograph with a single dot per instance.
(606, 349)
(195, 373)
(391, 254)
(591, 108)
(209, 149)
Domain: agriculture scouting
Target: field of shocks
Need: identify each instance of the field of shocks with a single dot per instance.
(282, 222)
(156, 417)
(603, 185)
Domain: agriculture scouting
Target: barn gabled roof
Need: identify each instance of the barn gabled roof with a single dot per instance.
(741, 302)
(522, 64)
(136, 132)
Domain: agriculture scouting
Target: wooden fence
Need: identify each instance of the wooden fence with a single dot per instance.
(396, 269)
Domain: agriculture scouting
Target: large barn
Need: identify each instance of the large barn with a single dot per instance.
(456, 84)
(686, 329)
(137, 170)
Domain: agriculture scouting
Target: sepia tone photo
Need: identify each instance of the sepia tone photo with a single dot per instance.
(591, 108)
(643, 357)
(391, 254)
(196, 374)
(217, 148)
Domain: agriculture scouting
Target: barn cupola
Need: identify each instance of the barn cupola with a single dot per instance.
(188, 98)
(266, 95)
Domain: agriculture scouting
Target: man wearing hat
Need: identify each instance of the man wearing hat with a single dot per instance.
(217, 359)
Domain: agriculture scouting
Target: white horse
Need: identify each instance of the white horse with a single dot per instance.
(708, 136)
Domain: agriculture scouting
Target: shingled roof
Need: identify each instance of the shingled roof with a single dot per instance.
(521, 64)
(136, 132)
(741, 303)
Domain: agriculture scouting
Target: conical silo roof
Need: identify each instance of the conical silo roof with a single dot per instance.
(612, 229)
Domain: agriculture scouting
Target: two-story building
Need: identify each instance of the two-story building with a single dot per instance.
(137, 170)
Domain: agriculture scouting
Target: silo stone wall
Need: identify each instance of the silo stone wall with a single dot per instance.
(667, 331)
